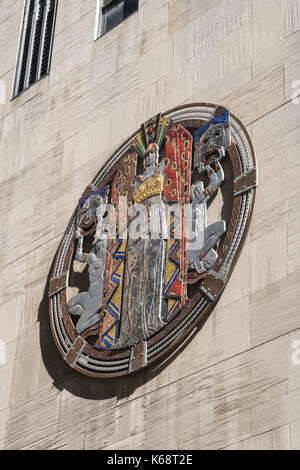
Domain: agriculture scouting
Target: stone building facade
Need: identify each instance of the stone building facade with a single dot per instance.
(236, 385)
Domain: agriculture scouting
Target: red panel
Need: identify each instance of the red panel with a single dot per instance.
(178, 153)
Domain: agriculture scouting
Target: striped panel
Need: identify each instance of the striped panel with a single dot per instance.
(123, 184)
(111, 335)
(173, 308)
(177, 191)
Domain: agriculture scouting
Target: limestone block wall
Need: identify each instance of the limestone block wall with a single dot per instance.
(235, 384)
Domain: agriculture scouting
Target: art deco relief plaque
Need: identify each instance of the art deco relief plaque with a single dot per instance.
(153, 241)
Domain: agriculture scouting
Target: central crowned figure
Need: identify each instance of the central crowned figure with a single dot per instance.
(145, 280)
(143, 306)
(155, 271)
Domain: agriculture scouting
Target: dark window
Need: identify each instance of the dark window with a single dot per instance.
(113, 12)
(35, 43)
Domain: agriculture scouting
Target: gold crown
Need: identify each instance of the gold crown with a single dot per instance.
(151, 187)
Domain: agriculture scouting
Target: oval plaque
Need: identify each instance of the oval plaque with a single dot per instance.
(153, 241)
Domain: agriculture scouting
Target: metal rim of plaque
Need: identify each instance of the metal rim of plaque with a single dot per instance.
(137, 300)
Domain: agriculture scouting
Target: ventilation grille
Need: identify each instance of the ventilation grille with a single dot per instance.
(36, 43)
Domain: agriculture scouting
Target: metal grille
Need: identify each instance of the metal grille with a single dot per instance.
(35, 43)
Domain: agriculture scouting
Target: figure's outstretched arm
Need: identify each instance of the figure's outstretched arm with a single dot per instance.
(79, 255)
(216, 178)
